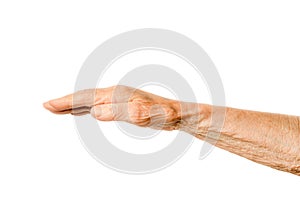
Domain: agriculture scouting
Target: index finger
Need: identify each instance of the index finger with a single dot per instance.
(91, 97)
(82, 98)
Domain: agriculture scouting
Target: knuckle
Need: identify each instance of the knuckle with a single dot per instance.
(139, 114)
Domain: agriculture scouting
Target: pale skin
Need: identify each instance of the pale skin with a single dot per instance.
(266, 138)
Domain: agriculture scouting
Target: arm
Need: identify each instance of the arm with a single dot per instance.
(265, 138)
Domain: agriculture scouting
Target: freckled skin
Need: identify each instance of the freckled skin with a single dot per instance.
(265, 138)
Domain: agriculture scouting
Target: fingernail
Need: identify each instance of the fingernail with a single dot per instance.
(48, 106)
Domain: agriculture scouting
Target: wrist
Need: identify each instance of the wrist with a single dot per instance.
(193, 117)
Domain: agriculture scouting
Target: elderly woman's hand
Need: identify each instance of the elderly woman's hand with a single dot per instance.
(120, 103)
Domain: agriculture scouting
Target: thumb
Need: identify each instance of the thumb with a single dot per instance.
(110, 112)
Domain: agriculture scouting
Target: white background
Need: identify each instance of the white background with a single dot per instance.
(255, 46)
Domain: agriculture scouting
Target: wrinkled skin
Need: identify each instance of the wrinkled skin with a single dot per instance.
(266, 138)
(120, 103)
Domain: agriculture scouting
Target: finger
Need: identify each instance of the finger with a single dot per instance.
(90, 97)
(80, 111)
(83, 98)
(76, 111)
(49, 107)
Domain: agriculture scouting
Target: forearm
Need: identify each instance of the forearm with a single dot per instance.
(269, 139)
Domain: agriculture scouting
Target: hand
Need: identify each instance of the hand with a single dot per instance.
(120, 103)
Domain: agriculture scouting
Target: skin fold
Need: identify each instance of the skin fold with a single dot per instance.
(266, 138)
